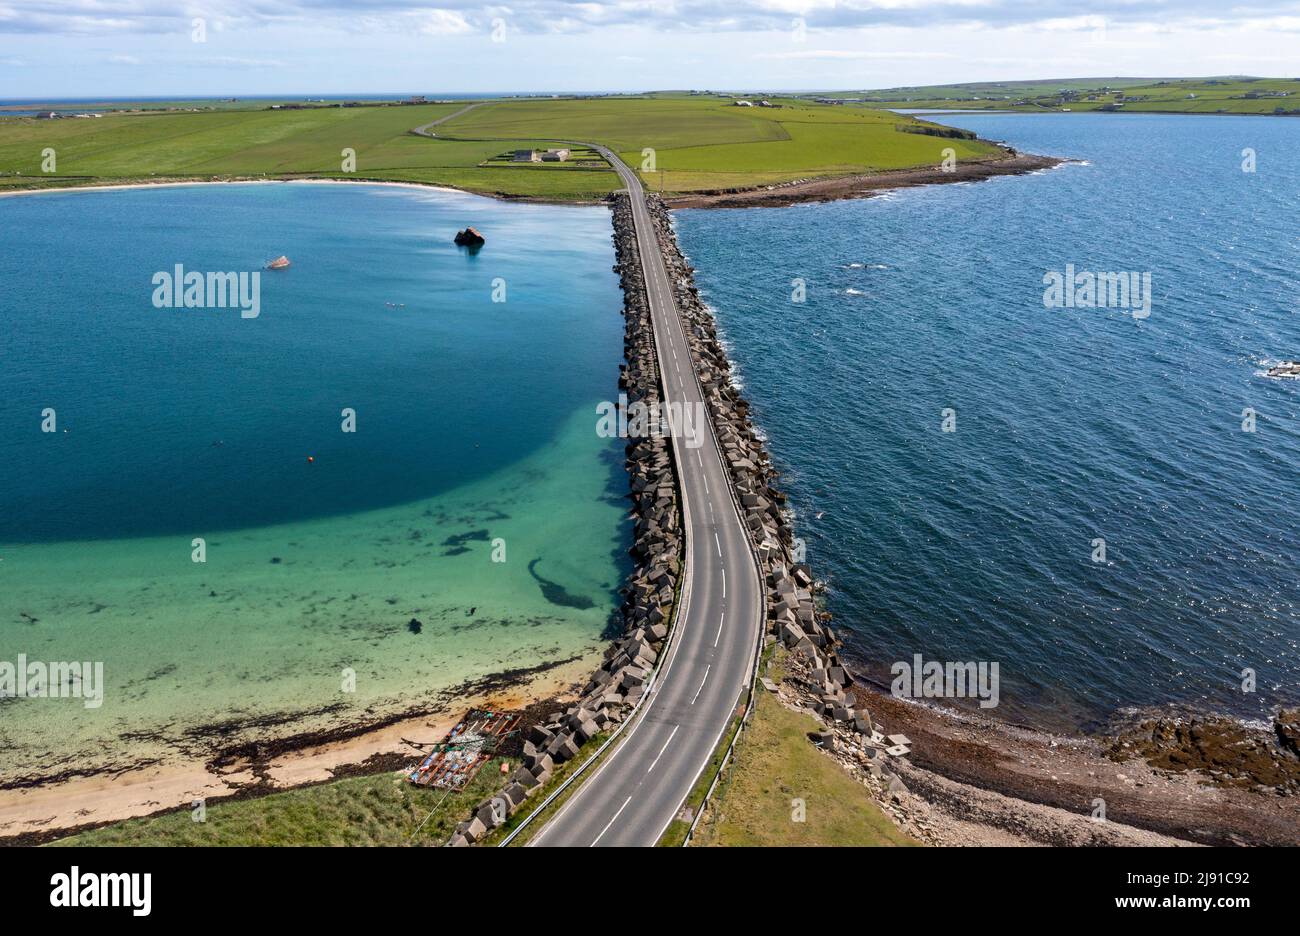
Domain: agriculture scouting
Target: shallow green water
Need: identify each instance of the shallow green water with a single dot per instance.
(262, 635)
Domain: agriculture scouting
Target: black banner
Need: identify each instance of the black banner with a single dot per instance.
(143, 886)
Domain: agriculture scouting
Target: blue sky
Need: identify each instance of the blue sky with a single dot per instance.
(66, 48)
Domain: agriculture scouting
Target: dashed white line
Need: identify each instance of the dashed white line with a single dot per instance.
(702, 682)
(724, 581)
(721, 617)
(662, 749)
(611, 822)
(717, 542)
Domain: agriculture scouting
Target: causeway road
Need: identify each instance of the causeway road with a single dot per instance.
(643, 782)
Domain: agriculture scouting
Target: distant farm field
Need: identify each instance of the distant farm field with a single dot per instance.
(237, 143)
(1230, 95)
(682, 144)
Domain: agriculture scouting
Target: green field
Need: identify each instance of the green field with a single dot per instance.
(382, 809)
(1226, 95)
(700, 142)
(775, 766)
(708, 142)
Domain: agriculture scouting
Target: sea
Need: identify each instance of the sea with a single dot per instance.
(1099, 498)
(376, 496)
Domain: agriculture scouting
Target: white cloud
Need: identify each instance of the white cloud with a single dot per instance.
(456, 17)
(853, 54)
(442, 23)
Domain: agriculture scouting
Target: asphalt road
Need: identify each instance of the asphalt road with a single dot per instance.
(639, 788)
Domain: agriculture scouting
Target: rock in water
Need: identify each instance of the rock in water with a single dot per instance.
(470, 238)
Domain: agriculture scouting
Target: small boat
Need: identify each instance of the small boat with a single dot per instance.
(470, 238)
(1285, 369)
(279, 263)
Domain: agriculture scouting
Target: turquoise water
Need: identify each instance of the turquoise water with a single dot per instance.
(1073, 424)
(475, 438)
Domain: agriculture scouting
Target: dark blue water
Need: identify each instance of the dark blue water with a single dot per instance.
(175, 420)
(1072, 424)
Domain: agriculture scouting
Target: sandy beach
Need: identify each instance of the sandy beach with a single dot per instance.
(174, 183)
(38, 814)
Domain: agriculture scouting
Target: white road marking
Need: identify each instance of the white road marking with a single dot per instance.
(665, 747)
(706, 483)
(721, 617)
(611, 822)
(724, 581)
(717, 542)
(699, 461)
(702, 682)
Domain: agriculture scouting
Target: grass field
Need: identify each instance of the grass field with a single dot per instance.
(775, 765)
(699, 142)
(376, 810)
(1228, 95)
(708, 142)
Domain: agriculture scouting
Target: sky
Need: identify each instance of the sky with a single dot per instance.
(121, 48)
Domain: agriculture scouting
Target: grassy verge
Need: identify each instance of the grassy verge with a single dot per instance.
(565, 771)
(675, 835)
(776, 766)
(382, 809)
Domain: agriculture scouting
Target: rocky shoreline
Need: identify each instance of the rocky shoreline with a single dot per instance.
(863, 186)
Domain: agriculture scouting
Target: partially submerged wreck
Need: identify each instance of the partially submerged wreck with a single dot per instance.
(470, 238)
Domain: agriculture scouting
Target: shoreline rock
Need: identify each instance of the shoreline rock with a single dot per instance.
(802, 191)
